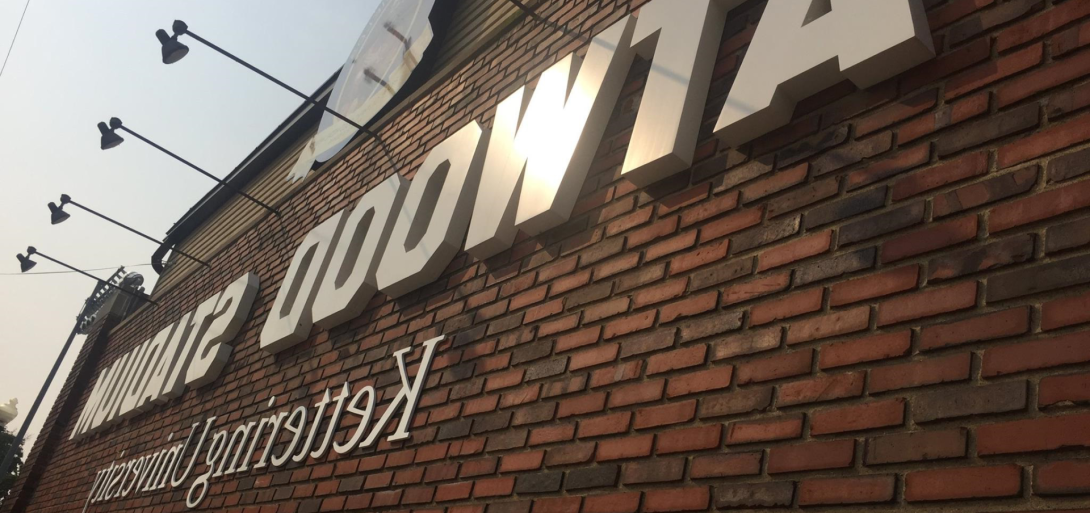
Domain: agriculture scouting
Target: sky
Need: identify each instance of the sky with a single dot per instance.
(75, 63)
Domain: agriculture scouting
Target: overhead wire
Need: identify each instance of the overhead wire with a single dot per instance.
(13, 37)
(66, 272)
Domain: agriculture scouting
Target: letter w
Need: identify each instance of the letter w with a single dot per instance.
(534, 169)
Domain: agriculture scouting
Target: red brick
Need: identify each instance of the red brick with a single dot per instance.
(829, 325)
(677, 499)
(1042, 24)
(1053, 138)
(662, 292)
(629, 324)
(605, 425)
(919, 373)
(581, 404)
(875, 285)
(963, 483)
(794, 251)
(1005, 323)
(676, 359)
(748, 342)
(775, 183)
(1063, 312)
(966, 166)
(895, 113)
(522, 461)
(656, 230)
(1037, 354)
(701, 381)
(1062, 478)
(690, 196)
(664, 415)
(1061, 390)
(670, 246)
(783, 365)
(934, 237)
(625, 447)
(1040, 206)
(1050, 76)
(556, 504)
(950, 115)
(755, 288)
(595, 356)
(790, 305)
(703, 255)
(453, 491)
(579, 338)
(493, 487)
(709, 209)
(954, 11)
(988, 73)
(765, 430)
(641, 392)
(846, 490)
(869, 349)
(1031, 435)
(856, 418)
(730, 224)
(692, 305)
(551, 434)
(1070, 40)
(626, 502)
(724, 465)
(689, 439)
(811, 456)
(948, 63)
(824, 388)
(930, 302)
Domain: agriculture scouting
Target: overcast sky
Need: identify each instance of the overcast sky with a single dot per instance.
(76, 63)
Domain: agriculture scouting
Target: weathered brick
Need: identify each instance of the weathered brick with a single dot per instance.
(932, 238)
(1071, 165)
(693, 498)
(1006, 323)
(916, 446)
(829, 325)
(920, 373)
(593, 477)
(708, 325)
(1033, 280)
(961, 168)
(897, 112)
(775, 183)
(1064, 390)
(847, 207)
(764, 235)
(811, 456)
(796, 250)
(1055, 137)
(852, 153)
(988, 129)
(658, 470)
(858, 417)
(832, 267)
(963, 483)
(825, 388)
(988, 191)
(811, 146)
(1065, 236)
(868, 349)
(847, 490)
(929, 302)
(881, 224)
(754, 495)
(736, 402)
(967, 401)
(782, 365)
(875, 285)
(726, 465)
(947, 116)
(787, 306)
(1062, 478)
(1037, 354)
(988, 73)
(1030, 435)
(765, 430)
(753, 289)
(889, 167)
(1051, 75)
(803, 196)
(748, 342)
(1012, 250)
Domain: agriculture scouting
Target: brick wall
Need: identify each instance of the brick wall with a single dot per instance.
(883, 303)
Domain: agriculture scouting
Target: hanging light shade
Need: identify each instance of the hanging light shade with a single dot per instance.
(57, 215)
(109, 136)
(173, 50)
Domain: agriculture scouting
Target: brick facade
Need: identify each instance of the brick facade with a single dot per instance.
(883, 303)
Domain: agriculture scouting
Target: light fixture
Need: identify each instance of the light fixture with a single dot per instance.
(116, 124)
(180, 28)
(58, 215)
(173, 50)
(109, 138)
(26, 264)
